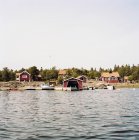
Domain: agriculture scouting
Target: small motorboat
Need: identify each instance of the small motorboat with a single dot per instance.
(46, 87)
(110, 87)
(70, 89)
(91, 88)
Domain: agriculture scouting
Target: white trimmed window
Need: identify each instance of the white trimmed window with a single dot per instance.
(24, 76)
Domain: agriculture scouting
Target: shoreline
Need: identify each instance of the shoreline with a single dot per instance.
(13, 85)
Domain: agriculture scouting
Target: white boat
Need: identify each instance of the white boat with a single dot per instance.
(46, 87)
(91, 88)
(110, 87)
(70, 89)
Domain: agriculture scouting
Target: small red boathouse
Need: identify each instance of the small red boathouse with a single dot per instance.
(83, 78)
(73, 82)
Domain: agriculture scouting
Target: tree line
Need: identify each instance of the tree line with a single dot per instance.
(132, 72)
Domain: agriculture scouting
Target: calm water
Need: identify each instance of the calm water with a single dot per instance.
(55, 115)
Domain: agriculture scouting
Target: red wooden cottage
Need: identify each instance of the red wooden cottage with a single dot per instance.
(23, 76)
(83, 78)
(73, 82)
(110, 77)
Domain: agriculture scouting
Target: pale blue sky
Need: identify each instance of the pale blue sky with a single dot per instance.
(68, 33)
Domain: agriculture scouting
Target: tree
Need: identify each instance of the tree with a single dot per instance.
(85, 72)
(127, 70)
(51, 74)
(122, 71)
(21, 70)
(135, 75)
(97, 74)
(91, 74)
(5, 74)
(101, 70)
(130, 78)
(12, 75)
(43, 74)
(60, 80)
(68, 73)
(34, 72)
(1, 76)
(116, 68)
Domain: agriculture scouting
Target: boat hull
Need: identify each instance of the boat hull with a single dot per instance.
(47, 88)
(110, 87)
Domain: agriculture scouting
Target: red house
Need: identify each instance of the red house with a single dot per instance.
(23, 76)
(83, 78)
(73, 82)
(110, 77)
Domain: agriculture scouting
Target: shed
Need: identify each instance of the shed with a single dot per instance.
(52, 82)
(83, 78)
(74, 83)
(23, 76)
(126, 79)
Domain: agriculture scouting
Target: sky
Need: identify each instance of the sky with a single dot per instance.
(68, 33)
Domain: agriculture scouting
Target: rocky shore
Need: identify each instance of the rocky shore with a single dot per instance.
(13, 85)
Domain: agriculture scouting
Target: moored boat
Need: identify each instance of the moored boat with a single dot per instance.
(110, 87)
(46, 87)
(30, 88)
(70, 89)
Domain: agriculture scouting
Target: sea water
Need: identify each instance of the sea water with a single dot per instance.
(80, 115)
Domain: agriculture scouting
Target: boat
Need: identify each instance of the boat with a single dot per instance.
(88, 88)
(46, 87)
(30, 88)
(85, 88)
(70, 89)
(91, 88)
(110, 87)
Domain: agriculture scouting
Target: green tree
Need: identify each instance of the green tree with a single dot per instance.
(68, 73)
(51, 74)
(12, 75)
(101, 70)
(84, 72)
(5, 74)
(91, 74)
(1, 76)
(22, 69)
(116, 68)
(60, 80)
(127, 70)
(135, 75)
(34, 72)
(43, 74)
(122, 71)
(130, 78)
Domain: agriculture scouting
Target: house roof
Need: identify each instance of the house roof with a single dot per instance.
(81, 76)
(107, 74)
(25, 72)
(72, 78)
(17, 74)
(62, 72)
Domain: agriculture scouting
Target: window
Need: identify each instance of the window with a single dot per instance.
(24, 76)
